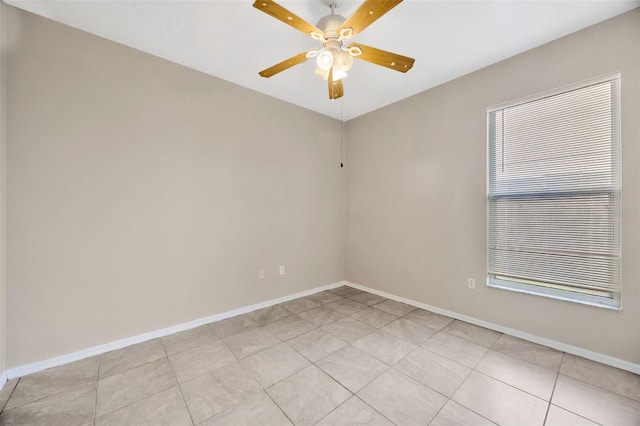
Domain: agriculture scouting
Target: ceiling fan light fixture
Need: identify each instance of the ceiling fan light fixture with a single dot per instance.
(338, 73)
(343, 61)
(323, 74)
(324, 60)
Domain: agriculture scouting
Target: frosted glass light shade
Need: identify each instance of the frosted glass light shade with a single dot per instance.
(344, 61)
(338, 73)
(323, 74)
(325, 60)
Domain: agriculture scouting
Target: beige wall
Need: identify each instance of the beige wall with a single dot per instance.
(142, 194)
(416, 192)
(3, 126)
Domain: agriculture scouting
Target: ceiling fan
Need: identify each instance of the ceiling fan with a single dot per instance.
(335, 32)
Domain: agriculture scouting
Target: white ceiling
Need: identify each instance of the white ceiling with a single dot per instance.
(232, 40)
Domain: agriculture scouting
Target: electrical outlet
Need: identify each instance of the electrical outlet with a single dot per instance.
(261, 274)
(471, 283)
(281, 269)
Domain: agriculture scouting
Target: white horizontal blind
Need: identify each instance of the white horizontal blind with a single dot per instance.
(554, 195)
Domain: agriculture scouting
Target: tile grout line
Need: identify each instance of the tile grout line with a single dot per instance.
(471, 370)
(141, 399)
(435, 416)
(38, 399)
(240, 361)
(237, 360)
(175, 377)
(566, 409)
(312, 363)
(10, 395)
(473, 411)
(335, 408)
(130, 368)
(373, 408)
(283, 379)
(418, 382)
(413, 379)
(512, 386)
(340, 384)
(614, 392)
(135, 402)
(435, 390)
(389, 367)
(95, 406)
(555, 383)
(58, 392)
(516, 387)
(450, 398)
(184, 401)
(501, 381)
(573, 412)
(355, 394)
(277, 405)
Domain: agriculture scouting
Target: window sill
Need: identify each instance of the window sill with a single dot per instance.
(599, 302)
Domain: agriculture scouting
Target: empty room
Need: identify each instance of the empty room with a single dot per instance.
(320, 212)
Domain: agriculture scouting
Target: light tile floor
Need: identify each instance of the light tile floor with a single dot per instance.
(333, 358)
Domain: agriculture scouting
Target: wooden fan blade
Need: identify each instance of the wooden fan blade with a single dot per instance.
(284, 65)
(335, 87)
(382, 57)
(368, 12)
(272, 8)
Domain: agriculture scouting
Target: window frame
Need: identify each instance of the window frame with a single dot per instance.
(614, 303)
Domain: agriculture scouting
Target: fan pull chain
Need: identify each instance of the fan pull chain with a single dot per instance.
(341, 135)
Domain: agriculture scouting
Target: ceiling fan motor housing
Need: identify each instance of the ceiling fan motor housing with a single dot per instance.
(329, 24)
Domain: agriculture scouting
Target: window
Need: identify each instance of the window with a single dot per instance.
(554, 194)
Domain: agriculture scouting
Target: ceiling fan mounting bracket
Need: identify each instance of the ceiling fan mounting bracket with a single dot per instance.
(333, 4)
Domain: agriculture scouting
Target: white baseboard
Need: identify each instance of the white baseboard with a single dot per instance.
(574, 350)
(24, 370)
(3, 379)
